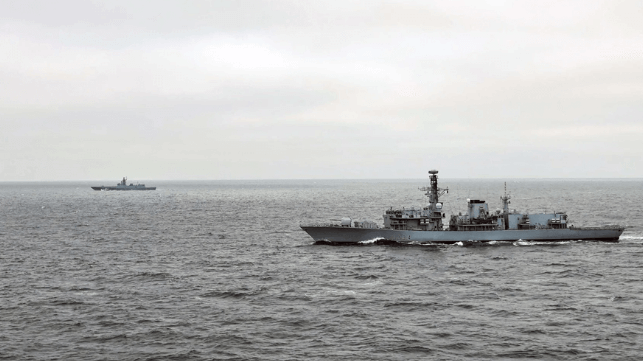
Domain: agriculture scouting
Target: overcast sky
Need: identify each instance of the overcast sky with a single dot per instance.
(320, 89)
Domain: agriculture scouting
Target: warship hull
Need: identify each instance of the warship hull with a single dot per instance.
(124, 188)
(338, 234)
(477, 224)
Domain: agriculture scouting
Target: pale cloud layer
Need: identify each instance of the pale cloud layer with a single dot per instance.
(333, 89)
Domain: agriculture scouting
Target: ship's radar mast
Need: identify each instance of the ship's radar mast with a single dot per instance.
(505, 201)
(434, 209)
(433, 192)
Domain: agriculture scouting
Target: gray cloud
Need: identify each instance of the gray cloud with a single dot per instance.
(336, 89)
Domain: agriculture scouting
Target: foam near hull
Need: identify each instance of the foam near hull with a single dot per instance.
(355, 235)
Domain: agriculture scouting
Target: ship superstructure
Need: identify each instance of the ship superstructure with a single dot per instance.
(428, 218)
(425, 224)
(478, 218)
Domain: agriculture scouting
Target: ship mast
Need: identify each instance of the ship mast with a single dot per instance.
(434, 207)
(505, 207)
(505, 201)
(433, 192)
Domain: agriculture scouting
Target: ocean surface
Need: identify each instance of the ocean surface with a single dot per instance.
(220, 270)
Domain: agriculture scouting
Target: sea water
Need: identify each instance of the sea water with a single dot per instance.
(220, 270)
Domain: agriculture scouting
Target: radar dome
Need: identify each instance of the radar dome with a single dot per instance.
(433, 171)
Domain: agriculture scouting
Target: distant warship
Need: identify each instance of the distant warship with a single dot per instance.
(122, 186)
(424, 225)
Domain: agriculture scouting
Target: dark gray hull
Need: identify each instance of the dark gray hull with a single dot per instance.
(126, 188)
(338, 234)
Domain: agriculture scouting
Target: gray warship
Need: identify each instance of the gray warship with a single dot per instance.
(478, 224)
(122, 186)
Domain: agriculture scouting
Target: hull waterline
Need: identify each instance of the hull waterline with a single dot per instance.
(124, 189)
(357, 235)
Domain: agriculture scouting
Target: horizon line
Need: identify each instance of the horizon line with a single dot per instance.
(330, 179)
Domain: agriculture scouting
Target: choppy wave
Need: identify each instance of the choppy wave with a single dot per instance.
(372, 241)
(633, 238)
(221, 270)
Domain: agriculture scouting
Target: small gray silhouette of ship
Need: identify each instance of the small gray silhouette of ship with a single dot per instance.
(122, 186)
